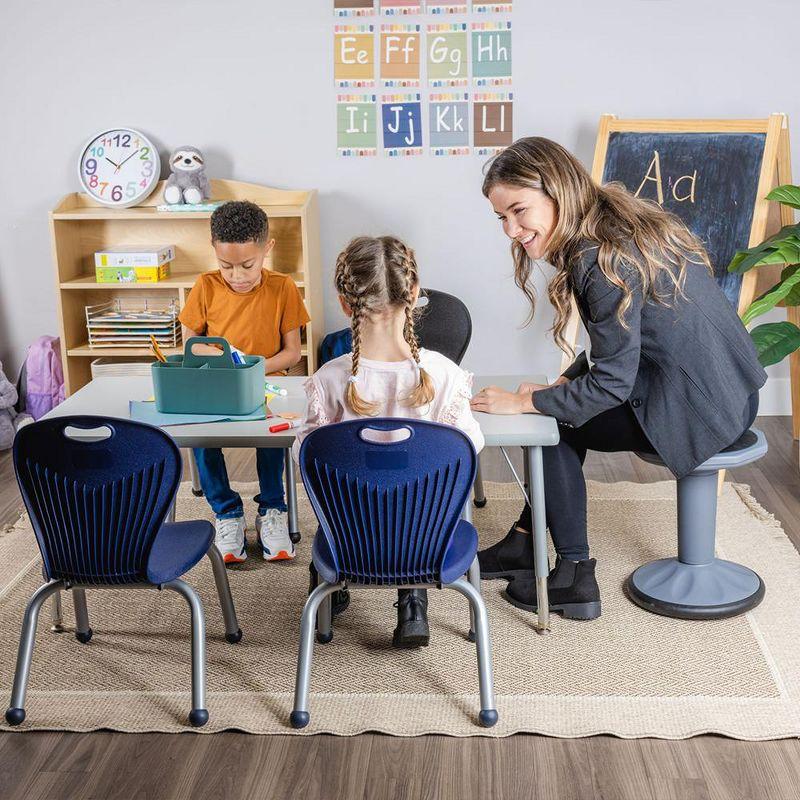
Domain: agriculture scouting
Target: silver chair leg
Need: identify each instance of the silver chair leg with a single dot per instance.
(16, 711)
(197, 489)
(474, 577)
(82, 630)
(300, 716)
(480, 496)
(488, 712)
(291, 495)
(233, 633)
(325, 620)
(535, 476)
(198, 716)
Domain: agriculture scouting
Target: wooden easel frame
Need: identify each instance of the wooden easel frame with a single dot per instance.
(776, 169)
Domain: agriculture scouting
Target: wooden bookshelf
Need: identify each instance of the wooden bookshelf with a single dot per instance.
(79, 227)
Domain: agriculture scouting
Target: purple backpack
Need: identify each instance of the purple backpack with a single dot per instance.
(44, 377)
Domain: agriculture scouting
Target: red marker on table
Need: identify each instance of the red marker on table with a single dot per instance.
(285, 425)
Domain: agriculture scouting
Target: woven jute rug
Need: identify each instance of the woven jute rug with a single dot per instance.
(629, 673)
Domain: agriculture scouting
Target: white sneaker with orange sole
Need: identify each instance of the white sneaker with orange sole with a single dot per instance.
(273, 532)
(230, 541)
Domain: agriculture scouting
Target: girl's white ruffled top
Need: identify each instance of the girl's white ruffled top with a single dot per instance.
(387, 383)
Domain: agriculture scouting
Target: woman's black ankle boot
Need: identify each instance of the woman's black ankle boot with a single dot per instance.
(571, 588)
(412, 619)
(340, 599)
(510, 558)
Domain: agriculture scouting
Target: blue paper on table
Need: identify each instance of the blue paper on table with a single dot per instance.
(146, 412)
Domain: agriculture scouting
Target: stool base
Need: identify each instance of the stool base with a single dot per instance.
(688, 591)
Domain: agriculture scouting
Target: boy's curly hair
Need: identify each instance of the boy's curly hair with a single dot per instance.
(239, 221)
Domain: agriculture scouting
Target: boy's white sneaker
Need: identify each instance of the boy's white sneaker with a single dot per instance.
(273, 532)
(230, 541)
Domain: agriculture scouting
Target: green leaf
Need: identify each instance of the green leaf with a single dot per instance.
(793, 298)
(771, 298)
(745, 260)
(775, 340)
(788, 195)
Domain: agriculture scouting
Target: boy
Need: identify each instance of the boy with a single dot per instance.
(259, 312)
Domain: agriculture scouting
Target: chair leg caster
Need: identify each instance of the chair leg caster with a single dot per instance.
(299, 719)
(471, 636)
(233, 638)
(324, 638)
(15, 716)
(479, 503)
(488, 717)
(84, 636)
(295, 536)
(199, 716)
(197, 492)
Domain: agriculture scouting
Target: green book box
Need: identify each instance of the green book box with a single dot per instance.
(206, 384)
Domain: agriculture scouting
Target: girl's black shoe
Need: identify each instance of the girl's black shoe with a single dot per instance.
(571, 588)
(510, 558)
(412, 619)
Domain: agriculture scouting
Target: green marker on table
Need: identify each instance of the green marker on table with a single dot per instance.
(271, 387)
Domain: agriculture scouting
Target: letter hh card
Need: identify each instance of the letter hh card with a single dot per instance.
(447, 55)
(491, 53)
(354, 56)
(400, 56)
(402, 124)
(356, 125)
(449, 129)
(493, 122)
(353, 8)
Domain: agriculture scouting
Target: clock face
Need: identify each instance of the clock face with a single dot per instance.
(119, 167)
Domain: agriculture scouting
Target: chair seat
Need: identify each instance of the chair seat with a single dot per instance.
(177, 547)
(750, 446)
(457, 560)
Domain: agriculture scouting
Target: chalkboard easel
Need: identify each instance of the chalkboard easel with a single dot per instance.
(715, 175)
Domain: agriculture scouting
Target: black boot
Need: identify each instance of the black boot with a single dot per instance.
(412, 618)
(510, 558)
(340, 599)
(571, 588)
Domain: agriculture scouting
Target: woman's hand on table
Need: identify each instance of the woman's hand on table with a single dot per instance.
(494, 400)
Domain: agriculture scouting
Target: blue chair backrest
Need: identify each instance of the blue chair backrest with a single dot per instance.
(96, 506)
(388, 510)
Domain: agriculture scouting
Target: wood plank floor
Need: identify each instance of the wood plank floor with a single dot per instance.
(110, 766)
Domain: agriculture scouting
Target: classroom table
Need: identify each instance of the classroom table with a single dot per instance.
(110, 396)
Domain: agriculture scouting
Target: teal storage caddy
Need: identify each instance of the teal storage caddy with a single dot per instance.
(201, 384)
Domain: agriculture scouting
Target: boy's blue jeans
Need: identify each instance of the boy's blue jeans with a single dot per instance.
(226, 503)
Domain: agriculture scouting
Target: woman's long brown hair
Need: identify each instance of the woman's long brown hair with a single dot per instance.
(609, 217)
(373, 274)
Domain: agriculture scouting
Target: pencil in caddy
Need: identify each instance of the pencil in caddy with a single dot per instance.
(207, 384)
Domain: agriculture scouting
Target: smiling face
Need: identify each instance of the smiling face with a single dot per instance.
(240, 263)
(529, 216)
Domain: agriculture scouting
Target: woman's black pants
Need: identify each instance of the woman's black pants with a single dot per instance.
(613, 431)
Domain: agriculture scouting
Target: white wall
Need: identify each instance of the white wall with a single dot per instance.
(250, 82)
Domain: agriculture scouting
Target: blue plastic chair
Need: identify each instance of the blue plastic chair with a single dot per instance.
(390, 516)
(98, 491)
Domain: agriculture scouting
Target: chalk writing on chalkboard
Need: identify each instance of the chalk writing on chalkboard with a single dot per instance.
(709, 180)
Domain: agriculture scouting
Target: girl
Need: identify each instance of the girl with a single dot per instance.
(388, 374)
(674, 370)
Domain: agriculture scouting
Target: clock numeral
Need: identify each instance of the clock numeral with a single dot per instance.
(93, 181)
(90, 166)
(116, 193)
(143, 183)
(147, 169)
(97, 152)
(104, 185)
(126, 140)
(144, 155)
(131, 189)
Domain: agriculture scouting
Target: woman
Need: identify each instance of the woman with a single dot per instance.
(673, 369)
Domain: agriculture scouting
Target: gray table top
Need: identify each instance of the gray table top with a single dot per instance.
(109, 397)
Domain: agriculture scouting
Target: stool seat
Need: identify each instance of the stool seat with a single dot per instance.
(696, 584)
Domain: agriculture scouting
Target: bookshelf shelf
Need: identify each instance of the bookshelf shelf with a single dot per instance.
(80, 227)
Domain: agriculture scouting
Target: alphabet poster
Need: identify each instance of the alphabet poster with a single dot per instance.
(354, 56)
(402, 124)
(432, 78)
(448, 62)
(353, 8)
(400, 55)
(356, 125)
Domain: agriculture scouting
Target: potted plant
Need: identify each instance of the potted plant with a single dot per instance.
(775, 340)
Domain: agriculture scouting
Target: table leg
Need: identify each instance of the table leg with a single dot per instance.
(197, 489)
(56, 616)
(535, 478)
(291, 494)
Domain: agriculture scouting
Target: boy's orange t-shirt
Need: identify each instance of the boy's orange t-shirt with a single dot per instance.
(253, 322)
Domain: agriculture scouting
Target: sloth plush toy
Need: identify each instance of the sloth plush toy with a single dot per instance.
(188, 182)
